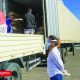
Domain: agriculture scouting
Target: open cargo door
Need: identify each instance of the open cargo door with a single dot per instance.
(52, 18)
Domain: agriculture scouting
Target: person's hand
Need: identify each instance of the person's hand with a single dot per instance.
(66, 73)
(59, 43)
(14, 28)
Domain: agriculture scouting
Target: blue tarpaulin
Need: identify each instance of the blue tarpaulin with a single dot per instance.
(73, 6)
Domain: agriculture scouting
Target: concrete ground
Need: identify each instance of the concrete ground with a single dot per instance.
(72, 65)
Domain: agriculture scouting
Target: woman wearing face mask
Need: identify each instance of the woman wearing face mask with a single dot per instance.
(55, 66)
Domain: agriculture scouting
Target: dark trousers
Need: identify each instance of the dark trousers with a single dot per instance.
(57, 77)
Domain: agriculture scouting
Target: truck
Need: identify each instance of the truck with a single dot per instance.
(22, 50)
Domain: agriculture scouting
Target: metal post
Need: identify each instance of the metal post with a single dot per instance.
(73, 49)
(62, 54)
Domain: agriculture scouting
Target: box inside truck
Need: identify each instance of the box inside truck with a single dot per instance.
(20, 8)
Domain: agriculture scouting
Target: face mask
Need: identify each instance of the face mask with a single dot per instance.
(48, 45)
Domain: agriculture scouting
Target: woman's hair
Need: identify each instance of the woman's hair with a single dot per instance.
(54, 40)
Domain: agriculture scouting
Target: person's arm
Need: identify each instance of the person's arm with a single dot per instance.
(24, 21)
(59, 64)
(59, 43)
(57, 60)
(66, 73)
(18, 19)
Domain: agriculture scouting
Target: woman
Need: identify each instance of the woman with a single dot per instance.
(55, 65)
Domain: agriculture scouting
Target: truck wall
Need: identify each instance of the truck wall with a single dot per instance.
(61, 22)
(52, 18)
(69, 25)
(19, 45)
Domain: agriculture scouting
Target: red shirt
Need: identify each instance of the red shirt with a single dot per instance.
(2, 18)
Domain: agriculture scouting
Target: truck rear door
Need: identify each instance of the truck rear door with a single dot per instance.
(52, 17)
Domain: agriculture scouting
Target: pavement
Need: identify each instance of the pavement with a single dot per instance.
(40, 73)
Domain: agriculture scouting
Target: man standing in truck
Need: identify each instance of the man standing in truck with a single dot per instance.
(29, 22)
(3, 26)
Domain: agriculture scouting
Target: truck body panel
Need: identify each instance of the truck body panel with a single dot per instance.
(69, 25)
(52, 18)
(61, 22)
(19, 45)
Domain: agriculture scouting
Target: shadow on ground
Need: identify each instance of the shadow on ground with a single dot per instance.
(42, 65)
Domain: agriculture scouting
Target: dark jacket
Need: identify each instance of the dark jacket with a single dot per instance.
(30, 21)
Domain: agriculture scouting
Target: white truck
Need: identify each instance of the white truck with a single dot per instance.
(18, 49)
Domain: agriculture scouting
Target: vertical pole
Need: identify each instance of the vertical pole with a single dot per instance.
(73, 49)
(62, 54)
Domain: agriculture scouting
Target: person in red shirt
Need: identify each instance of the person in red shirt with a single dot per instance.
(3, 26)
